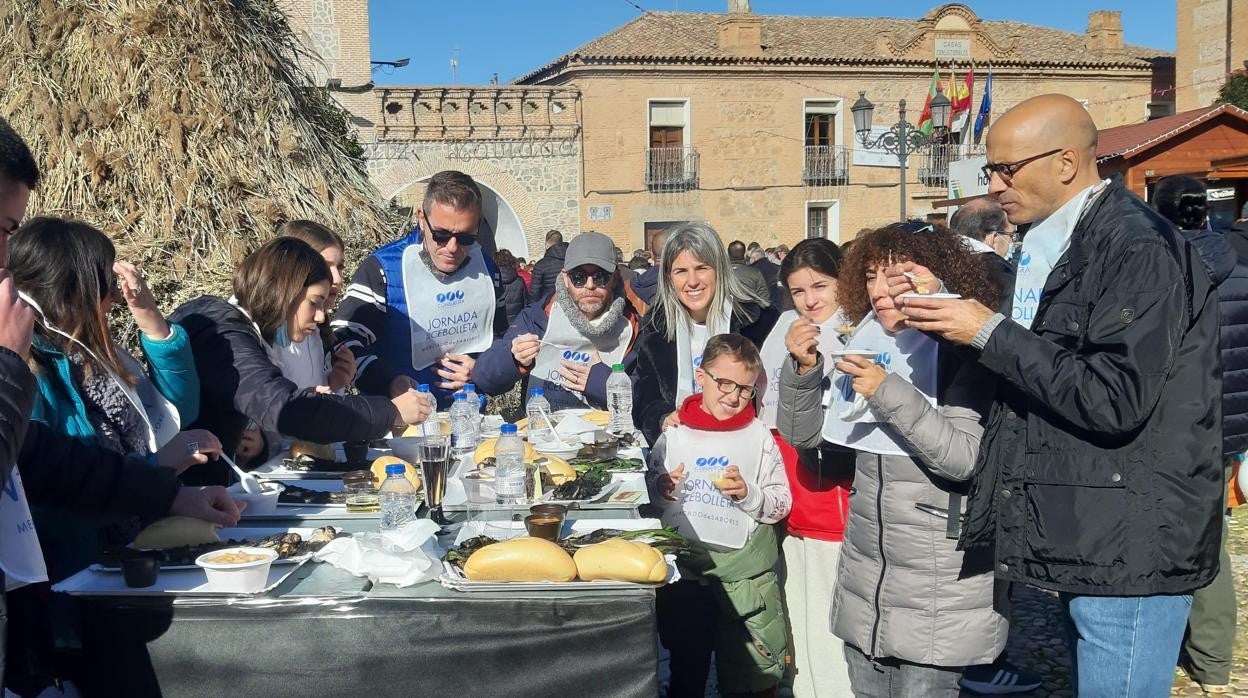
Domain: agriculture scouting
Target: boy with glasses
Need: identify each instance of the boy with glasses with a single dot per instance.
(421, 309)
(566, 343)
(720, 479)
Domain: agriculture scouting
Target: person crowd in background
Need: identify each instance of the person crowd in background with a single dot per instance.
(515, 294)
(546, 269)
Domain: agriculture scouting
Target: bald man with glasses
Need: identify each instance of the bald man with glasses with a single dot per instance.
(567, 343)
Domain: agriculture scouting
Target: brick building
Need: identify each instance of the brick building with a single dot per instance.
(743, 120)
(1212, 41)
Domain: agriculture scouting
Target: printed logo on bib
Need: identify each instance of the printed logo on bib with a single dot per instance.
(450, 298)
(1024, 259)
(451, 325)
(579, 357)
(711, 462)
(1025, 302)
(697, 362)
(25, 524)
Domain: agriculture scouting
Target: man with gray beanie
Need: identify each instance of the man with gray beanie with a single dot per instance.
(566, 344)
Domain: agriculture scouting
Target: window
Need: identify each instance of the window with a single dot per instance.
(824, 163)
(671, 164)
(823, 220)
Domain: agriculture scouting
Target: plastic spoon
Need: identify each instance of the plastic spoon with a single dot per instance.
(249, 482)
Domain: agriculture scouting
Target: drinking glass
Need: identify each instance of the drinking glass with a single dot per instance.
(435, 456)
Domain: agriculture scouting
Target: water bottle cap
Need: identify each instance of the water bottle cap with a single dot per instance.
(461, 396)
(470, 388)
(536, 392)
(395, 469)
(507, 429)
(617, 368)
(422, 388)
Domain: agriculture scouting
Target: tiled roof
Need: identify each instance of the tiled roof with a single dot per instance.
(672, 37)
(1123, 141)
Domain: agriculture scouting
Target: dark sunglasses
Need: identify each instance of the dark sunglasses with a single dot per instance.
(578, 277)
(441, 237)
(727, 386)
(1007, 170)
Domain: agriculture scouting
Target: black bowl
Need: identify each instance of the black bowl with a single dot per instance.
(140, 567)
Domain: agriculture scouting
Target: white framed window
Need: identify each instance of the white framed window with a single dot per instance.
(668, 123)
(823, 220)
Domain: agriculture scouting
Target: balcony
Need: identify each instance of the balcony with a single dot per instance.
(826, 165)
(933, 162)
(671, 169)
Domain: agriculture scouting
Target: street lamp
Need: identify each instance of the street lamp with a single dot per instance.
(902, 138)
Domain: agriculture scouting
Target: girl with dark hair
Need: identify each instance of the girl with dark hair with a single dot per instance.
(820, 479)
(911, 608)
(87, 386)
(279, 298)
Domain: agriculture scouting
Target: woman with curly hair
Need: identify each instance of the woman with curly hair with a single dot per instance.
(912, 609)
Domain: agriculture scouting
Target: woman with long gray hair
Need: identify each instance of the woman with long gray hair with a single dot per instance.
(698, 297)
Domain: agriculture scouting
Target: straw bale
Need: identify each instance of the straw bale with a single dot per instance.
(185, 130)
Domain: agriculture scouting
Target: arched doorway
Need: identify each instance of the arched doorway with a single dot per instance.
(506, 231)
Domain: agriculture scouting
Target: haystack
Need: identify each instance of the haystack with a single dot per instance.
(185, 130)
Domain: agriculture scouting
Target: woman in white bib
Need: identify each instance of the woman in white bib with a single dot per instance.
(698, 297)
(911, 609)
(820, 478)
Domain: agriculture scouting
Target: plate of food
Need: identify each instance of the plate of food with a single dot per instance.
(180, 543)
(601, 554)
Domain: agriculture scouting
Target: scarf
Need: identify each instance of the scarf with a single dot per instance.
(605, 325)
(695, 416)
(118, 425)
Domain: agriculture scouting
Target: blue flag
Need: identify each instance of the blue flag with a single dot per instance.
(985, 108)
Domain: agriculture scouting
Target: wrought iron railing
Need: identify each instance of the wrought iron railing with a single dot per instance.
(671, 169)
(826, 164)
(933, 161)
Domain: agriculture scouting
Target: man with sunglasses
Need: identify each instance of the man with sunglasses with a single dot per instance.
(420, 309)
(566, 344)
(1099, 473)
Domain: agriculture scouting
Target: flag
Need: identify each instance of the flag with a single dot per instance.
(985, 109)
(925, 118)
(960, 102)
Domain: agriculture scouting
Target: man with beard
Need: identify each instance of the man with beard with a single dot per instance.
(567, 343)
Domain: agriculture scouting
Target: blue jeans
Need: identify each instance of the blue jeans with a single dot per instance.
(1125, 646)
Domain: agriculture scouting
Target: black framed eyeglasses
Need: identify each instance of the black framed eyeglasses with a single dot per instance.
(579, 277)
(1007, 170)
(442, 237)
(727, 386)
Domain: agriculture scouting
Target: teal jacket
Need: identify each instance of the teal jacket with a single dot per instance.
(59, 403)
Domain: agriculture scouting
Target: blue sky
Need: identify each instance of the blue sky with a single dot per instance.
(512, 37)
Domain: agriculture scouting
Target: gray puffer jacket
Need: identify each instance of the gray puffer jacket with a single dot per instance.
(904, 590)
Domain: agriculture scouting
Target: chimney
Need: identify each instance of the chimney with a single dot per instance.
(1104, 32)
(741, 34)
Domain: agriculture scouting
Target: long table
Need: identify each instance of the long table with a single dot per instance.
(324, 632)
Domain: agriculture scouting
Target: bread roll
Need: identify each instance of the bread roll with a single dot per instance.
(378, 469)
(559, 470)
(621, 561)
(175, 532)
(521, 559)
(598, 417)
(487, 446)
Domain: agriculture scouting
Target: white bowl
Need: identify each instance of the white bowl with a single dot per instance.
(407, 448)
(259, 504)
(244, 578)
(564, 451)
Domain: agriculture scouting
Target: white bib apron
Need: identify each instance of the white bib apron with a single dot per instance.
(774, 353)
(911, 355)
(701, 511)
(304, 363)
(452, 316)
(568, 344)
(1043, 245)
(20, 555)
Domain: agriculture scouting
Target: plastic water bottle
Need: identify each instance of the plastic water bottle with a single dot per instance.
(464, 434)
(619, 401)
(474, 401)
(538, 412)
(397, 498)
(431, 422)
(509, 475)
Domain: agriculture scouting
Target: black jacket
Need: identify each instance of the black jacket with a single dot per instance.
(239, 380)
(1100, 468)
(1233, 320)
(645, 284)
(655, 374)
(17, 396)
(515, 295)
(545, 271)
(779, 293)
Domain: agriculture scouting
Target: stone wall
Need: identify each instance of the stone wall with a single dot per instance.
(540, 180)
(748, 127)
(1203, 54)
